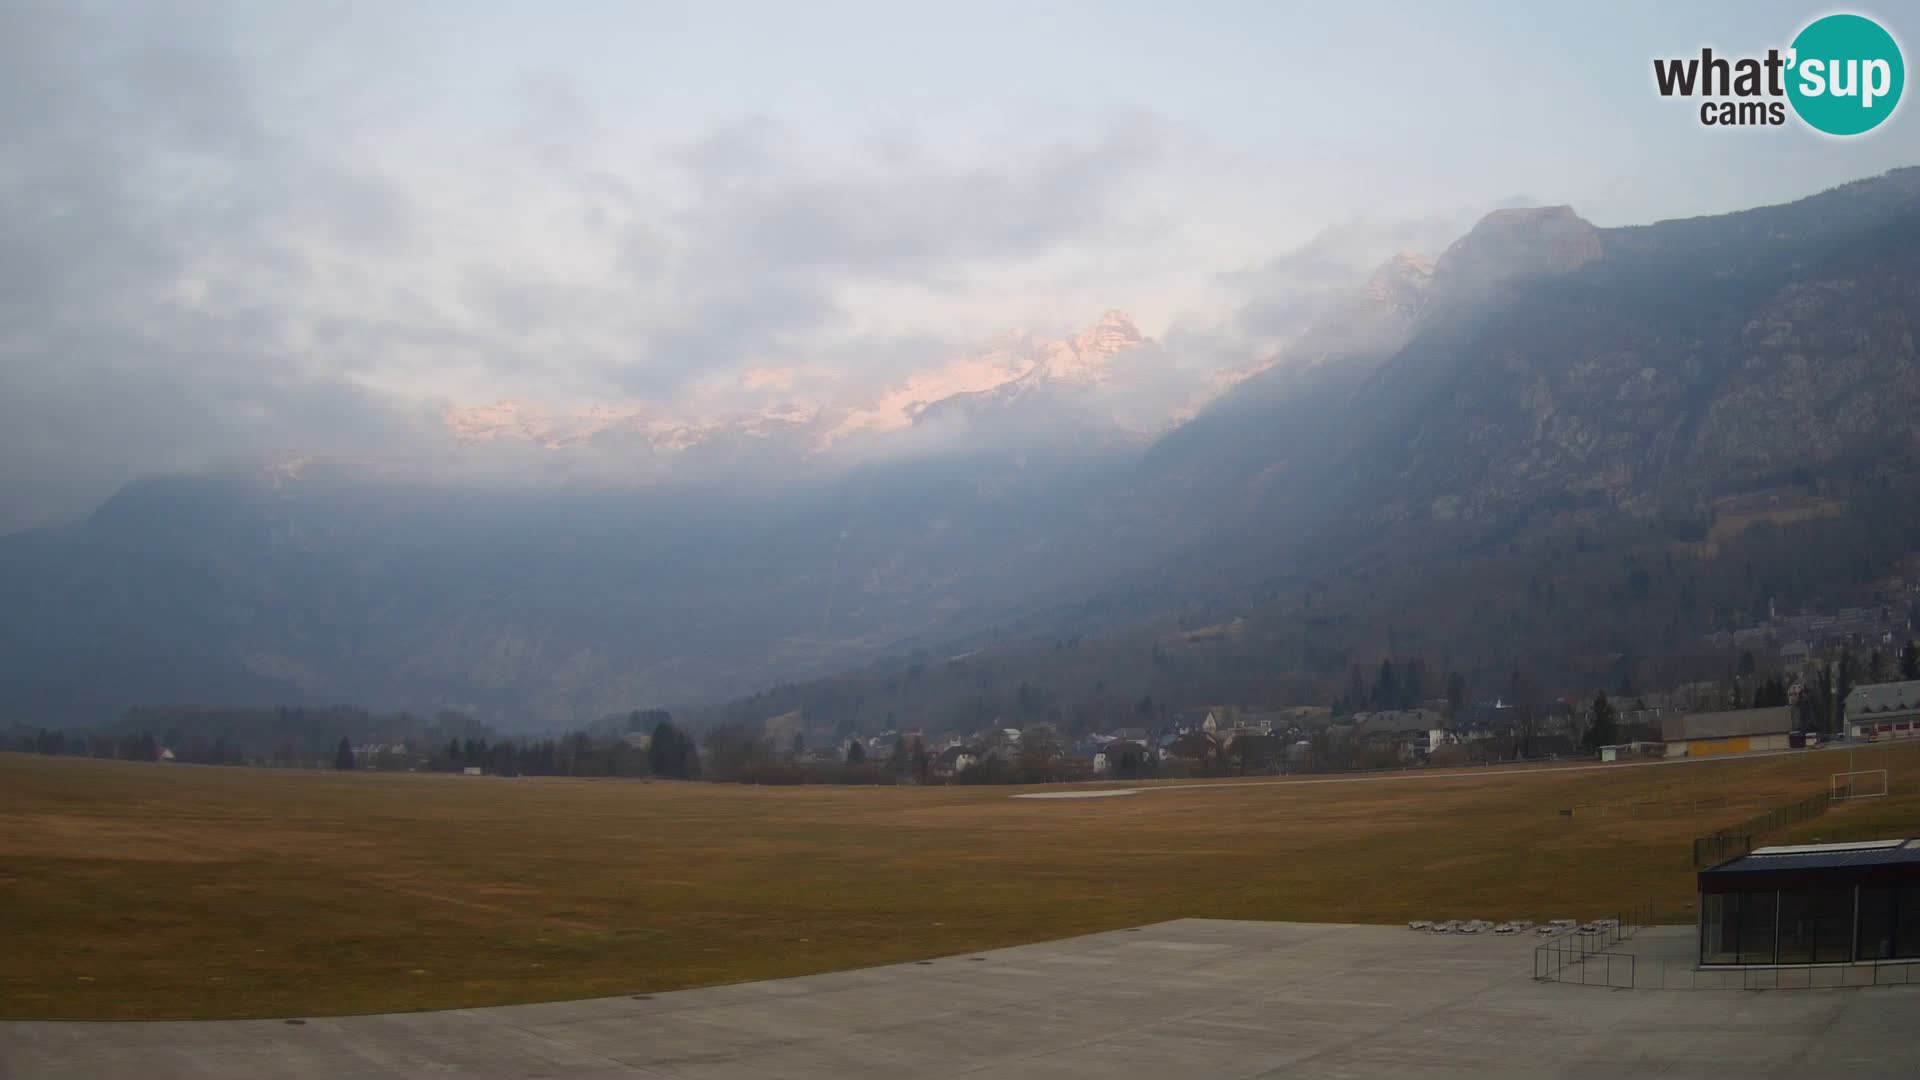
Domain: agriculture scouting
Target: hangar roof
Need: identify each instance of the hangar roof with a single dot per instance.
(1798, 865)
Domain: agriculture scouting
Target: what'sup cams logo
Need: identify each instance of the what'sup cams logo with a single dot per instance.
(1842, 75)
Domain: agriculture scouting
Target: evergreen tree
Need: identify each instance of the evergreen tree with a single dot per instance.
(1386, 688)
(1413, 683)
(671, 753)
(1823, 699)
(856, 753)
(1909, 661)
(1604, 729)
(1843, 686)
(343, 755)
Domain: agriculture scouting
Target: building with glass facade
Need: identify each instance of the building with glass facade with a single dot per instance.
(1813, 904)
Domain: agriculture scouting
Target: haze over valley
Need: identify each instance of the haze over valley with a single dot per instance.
(1443, 435)
(361, 361)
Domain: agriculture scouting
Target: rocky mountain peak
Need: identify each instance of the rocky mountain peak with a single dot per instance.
(1114, 331)
(1086, 356)
(1401, 281)
(1010, 362)
(1519, 241)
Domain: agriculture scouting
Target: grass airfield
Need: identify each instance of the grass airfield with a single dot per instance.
(136, 891)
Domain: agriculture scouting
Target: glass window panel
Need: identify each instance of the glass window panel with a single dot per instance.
(1756, 918)
(1832, 922)
(1816, 925)
(1796, 939)
(1875, 940)
(1906, 922)
(1719, 937)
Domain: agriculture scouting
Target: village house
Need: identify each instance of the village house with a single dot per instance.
(1196, 746)
(1111, 757)
(1884, 711)
(1255, 751)
(832, 753)
(950, 761)
(1195, 720)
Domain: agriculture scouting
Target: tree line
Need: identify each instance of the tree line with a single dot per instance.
(349, 737)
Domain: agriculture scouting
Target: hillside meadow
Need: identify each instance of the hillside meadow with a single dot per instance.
(139, 890)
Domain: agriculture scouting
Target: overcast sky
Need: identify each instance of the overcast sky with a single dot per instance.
(280, 228)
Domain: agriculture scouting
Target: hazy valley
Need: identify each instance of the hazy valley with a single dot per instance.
(1548, 442)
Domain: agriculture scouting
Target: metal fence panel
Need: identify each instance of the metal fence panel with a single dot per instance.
(1737, 840)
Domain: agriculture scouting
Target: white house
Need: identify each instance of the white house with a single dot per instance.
(953, 760)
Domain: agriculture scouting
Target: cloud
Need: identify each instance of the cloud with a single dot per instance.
(153, 225)
(762, 260)
(244, 231)
(785, 380)
(1281, 296)
(552, 122)
(922, 220)
(1274, 301)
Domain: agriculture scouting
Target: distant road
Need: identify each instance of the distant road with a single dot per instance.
(1509, 771)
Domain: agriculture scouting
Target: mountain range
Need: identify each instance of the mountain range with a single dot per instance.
(1108, 377)
(1551, 441)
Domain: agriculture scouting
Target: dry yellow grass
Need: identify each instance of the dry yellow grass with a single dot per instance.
(148, 890)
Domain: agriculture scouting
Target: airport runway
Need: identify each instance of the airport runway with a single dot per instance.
(1191, 998)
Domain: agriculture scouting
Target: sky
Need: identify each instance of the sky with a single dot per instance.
(252, 230)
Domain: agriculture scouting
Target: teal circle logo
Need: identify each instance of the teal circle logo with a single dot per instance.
(1846, 74)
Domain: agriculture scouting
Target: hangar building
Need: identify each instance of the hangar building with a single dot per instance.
(1734, 731)
(1813, 904)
